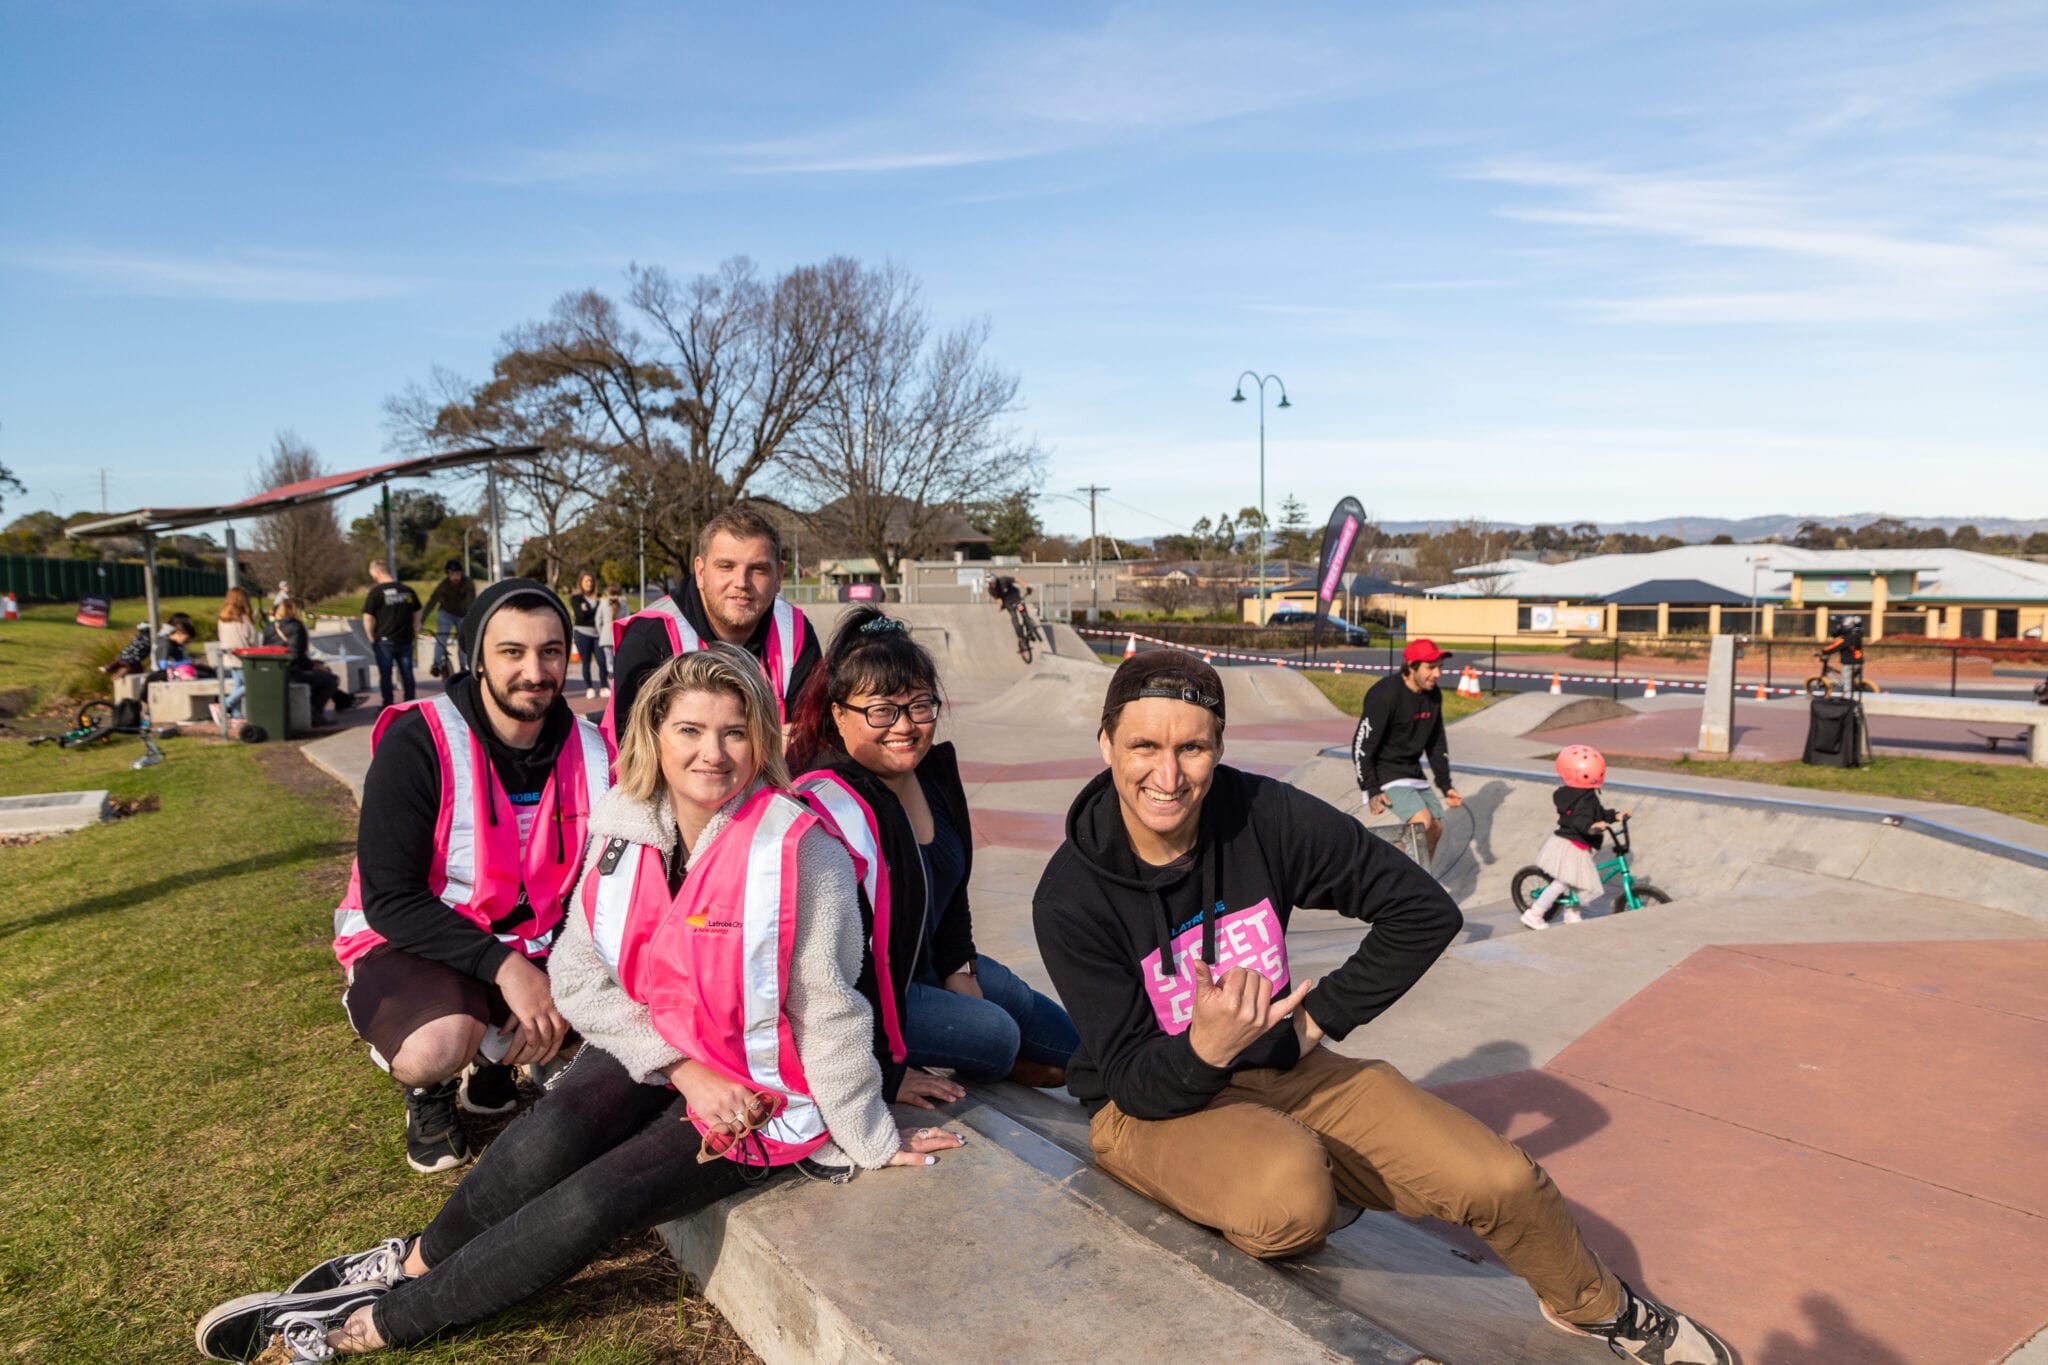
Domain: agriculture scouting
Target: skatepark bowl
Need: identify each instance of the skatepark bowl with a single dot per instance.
(1803, 1102)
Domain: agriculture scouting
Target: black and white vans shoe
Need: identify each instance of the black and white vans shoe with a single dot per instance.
(381, 1267)
(1645, 1330)
(297, 1324)
(490, 1088)
(433, 1134)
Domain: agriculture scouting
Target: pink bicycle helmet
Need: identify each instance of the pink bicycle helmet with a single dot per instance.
(1581, 766)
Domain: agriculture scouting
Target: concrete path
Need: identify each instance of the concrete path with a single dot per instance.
(1801, 1101)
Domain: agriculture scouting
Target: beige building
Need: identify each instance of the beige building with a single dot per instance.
(1770, 590)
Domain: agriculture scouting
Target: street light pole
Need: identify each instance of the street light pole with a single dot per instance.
(1238, 397)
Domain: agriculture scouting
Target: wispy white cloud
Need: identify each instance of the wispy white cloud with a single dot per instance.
(1017, 93)
(253, 278)
(1772, 254)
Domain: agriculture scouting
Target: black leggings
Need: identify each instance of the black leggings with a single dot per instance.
(598, 1158)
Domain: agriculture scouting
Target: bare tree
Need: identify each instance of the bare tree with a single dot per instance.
(303, 546)
(912, 428)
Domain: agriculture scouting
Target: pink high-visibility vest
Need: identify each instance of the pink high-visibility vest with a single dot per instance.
(854, 822)
(786, 631)
(478, 866)
(712, 962)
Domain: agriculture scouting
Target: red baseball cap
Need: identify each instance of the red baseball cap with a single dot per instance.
(1422, 652)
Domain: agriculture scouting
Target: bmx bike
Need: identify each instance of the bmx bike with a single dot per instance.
(1822, 684)
(1026, 628)
(1635, 894)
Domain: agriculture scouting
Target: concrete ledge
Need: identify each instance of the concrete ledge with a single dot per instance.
(2030, 717)
(983, 1257)
(52, 812)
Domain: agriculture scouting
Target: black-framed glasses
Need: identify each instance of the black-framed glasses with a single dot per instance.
(883, 714)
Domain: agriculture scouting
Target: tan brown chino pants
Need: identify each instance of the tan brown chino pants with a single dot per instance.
(1266, 1162)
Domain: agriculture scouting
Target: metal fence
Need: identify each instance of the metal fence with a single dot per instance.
(38, 578)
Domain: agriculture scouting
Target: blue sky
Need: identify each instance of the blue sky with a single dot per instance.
(1557, 262)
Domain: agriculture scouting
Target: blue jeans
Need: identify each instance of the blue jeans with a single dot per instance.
(237, 685)
(391, 652)
(982, 1039)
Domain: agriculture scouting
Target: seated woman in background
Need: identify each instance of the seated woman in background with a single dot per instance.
(865, 721)
(237, 629)
(677, 1099)
(287, 628)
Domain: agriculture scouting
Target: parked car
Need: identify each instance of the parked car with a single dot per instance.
(1335, 631)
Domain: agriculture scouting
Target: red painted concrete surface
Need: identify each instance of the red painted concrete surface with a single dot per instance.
(1826, 1152)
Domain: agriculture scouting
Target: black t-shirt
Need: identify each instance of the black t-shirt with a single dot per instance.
(584, 610)
(392, 606)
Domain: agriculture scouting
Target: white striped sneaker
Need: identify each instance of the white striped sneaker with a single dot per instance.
(1645, 1330)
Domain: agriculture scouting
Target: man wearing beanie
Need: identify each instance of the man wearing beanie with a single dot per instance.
(471, 835)
(1163, 922)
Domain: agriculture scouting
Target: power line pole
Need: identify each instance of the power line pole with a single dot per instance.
(1094, 555)
(103, 492)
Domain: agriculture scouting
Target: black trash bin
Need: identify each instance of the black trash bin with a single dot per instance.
(266, 690)
(1834, 733)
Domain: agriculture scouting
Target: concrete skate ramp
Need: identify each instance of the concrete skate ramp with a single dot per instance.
(975, 648)
(1270, 696)
(1693, 845)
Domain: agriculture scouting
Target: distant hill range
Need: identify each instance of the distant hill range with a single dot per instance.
(1699, 530)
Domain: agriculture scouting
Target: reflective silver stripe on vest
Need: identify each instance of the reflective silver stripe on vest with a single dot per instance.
(785, 640)
(614, 904)
(347, 922)
(846, 813)
(761, 970)
(459, 868)
(597, 764)
(668, 607)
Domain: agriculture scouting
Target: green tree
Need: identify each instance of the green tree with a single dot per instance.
(1009, 522)
(1297, 538)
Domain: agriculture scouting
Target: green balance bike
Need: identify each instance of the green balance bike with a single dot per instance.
(1635, 894)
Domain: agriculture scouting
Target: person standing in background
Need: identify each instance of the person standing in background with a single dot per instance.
(583, 605)
(391, 618)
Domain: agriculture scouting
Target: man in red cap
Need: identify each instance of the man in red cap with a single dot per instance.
(1401, 722)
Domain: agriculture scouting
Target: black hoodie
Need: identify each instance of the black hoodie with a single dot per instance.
(644, 648)
(1106, 923)
(395, 834)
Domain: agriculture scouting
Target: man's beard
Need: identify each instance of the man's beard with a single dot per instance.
(717, 613)
(525, 703)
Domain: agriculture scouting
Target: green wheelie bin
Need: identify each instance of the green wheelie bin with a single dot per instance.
(266, 694)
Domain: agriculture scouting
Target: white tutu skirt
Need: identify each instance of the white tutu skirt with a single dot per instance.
(1564, 861)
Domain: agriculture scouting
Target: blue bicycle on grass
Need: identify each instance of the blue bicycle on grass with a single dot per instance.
(1530, 881)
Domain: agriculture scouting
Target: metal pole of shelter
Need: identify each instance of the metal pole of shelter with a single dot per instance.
(149, 591)
(234, 561)
(497, 551)
(390, 535)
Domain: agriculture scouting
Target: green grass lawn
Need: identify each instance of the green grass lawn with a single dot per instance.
(189, 1116)
(47, 656)
(2009, 788)
(1346, 692)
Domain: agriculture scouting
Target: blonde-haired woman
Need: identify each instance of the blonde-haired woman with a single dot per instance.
(237, 629)
(698, 857)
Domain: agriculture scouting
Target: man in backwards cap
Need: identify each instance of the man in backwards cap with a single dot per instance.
(1163, 922)
(471, 835)
(1400, 724)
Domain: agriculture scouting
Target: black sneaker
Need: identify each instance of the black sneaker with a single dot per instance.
(382, 1266)
(490, 1088)
(239, 1328)
(433, 1136)
(1647, 1331)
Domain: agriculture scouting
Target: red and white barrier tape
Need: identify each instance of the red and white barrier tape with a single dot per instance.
(1609, 679)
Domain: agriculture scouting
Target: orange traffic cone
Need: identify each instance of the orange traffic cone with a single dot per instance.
(1556, 686)
(1205, 656)
(1761, 694)
(10, 610)
(1130, 645)
(1650, 690)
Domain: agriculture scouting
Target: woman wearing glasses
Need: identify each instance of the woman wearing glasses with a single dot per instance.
(864, 723)
(715, 967)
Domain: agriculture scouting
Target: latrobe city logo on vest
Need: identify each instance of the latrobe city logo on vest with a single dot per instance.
(702, 920)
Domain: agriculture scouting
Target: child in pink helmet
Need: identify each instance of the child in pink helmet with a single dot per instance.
(1567, 855)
